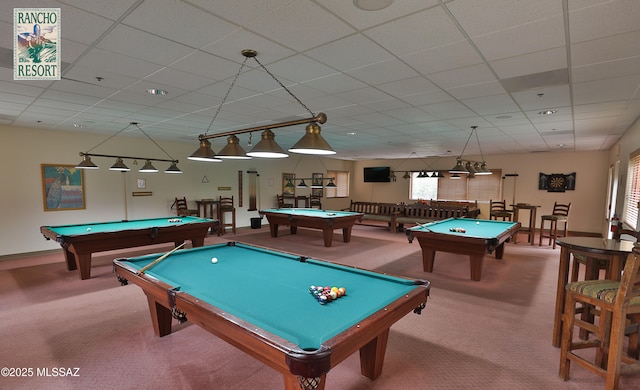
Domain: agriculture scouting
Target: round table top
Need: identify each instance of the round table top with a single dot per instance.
(596, 244)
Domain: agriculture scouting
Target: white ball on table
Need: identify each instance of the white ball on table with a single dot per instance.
(214, 260)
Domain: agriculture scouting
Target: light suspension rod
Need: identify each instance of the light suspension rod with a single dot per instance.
(127, 157)
(320, 118)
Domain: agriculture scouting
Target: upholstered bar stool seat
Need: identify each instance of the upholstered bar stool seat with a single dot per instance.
(619, 304)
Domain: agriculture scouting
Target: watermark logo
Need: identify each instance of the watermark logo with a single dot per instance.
(36, 44)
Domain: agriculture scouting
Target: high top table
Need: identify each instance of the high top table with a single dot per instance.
(594, 248)
(206, 209)
(531, 230)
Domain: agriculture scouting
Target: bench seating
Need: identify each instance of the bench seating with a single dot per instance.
(472, 206)
(375, 211)
(397, 214)
(416, 214)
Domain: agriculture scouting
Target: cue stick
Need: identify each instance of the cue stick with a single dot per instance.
(159, 259)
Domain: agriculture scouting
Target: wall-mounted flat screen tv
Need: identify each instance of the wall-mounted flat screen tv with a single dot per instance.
(377, 174)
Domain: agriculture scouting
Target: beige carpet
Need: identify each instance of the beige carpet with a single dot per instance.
(492, 334)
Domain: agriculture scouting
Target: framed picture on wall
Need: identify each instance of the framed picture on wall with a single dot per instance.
(288, 184)
(62, 187)
(317, 179)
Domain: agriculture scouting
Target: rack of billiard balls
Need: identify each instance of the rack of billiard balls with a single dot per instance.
(327, 294)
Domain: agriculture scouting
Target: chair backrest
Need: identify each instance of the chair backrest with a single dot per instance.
(281, 202)
(181, 204)
(620, 231)
(315, 201)
(226, 203)
(497, 205)
(561, 209)
(630, 282)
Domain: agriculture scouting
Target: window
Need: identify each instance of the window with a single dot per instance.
(480, 187)
(342, 183)
(423, 187)
(632, 195)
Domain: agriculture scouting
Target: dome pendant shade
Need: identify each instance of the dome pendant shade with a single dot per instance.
(204, 153)
(86, 163)
(233, 150)
(459, 168)
(312, 142)
(119, 166)
(267, 147)
(148, 168)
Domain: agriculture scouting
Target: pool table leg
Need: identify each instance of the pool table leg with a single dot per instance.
(273, 229)
(70, 258)
(80, 262)
(346, 234)
(428, 257)
(476, 266)
(195, 242)
(372, 356)
(327, 235)
(499, 251)
(160, 317)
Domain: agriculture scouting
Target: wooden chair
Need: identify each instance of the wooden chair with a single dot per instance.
(226, 206)
(315, 202)
(617, 302)
(498, 209)
(282, 203)
(560, 213)
(592, 270)
(183, 210)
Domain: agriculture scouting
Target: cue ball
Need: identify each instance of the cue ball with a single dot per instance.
(88, 229)
(214, 260)
(478, 223)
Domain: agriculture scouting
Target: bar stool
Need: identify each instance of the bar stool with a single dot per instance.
(617, 301)
(560, 213)
(226, 206)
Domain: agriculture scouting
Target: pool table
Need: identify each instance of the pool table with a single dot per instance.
(80, 241)
(327, 220)
(258, 300)
(476, 238)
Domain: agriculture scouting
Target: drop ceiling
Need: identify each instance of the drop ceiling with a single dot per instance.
(410, 79)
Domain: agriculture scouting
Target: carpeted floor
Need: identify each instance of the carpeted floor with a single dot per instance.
(492, 334)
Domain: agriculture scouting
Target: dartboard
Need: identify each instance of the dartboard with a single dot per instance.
(557, 183)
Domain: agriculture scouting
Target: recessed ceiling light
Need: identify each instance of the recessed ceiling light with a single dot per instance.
(155, 91)
(78, 125)
(352, 133)
(372, 5)
(547, 112)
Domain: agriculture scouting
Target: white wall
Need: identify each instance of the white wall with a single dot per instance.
(22, 150)
(587, 201)
(108, 194)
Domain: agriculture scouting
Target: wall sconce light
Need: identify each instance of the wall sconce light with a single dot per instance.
(119, 165)
(311, 143)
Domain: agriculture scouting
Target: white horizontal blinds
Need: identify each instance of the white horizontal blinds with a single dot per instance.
(485, 187)
(632, 196)
(452, 189)
(342, 183)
